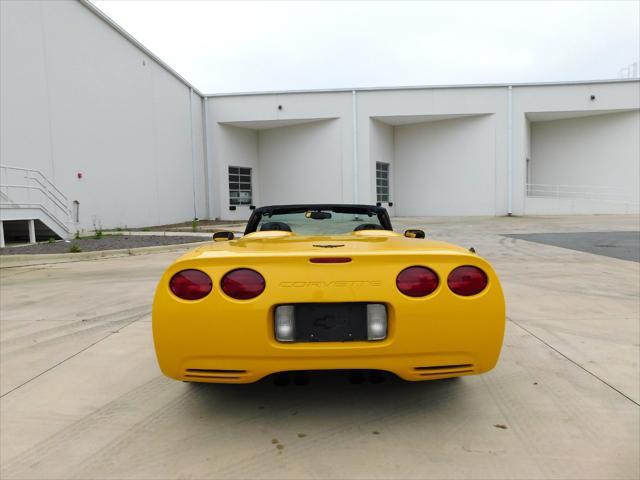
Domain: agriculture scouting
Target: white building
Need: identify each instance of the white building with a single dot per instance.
(115, 138)
(467, 150)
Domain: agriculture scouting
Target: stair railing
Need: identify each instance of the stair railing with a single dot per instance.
(28, 188)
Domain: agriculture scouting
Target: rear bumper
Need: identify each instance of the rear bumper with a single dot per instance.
(244, 349)
(247, 369)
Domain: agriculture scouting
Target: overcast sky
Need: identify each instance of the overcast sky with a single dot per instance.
(255, 46)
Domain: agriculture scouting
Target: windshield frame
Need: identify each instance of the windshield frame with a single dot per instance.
(258, 213)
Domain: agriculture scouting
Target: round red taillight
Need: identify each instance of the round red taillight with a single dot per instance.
(467, 281)
(190, 284)
(243, 284)
(417, 281)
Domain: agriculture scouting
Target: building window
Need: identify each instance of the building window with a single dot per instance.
(382, 182)
(239, 186)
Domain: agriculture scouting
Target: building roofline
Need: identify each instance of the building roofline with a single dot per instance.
(106, 19)
(425, 87)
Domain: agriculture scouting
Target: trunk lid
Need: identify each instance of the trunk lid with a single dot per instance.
(286, 244)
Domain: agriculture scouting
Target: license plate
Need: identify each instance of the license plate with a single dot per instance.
(330, 322)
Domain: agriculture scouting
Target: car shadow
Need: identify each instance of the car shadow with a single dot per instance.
(237, 431)
(330, 395)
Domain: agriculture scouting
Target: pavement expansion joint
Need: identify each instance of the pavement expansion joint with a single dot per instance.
(574, 362)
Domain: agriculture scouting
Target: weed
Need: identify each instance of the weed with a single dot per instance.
(77, 235)
(74, 248)
(51, 240)
(194, 225)
(97, 227)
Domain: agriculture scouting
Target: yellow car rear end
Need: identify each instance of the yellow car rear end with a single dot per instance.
(222, 339)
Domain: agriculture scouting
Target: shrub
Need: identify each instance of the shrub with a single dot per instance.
(74, 248)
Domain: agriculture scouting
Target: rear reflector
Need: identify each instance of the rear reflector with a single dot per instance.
(190, 284)
(330, 260)
(467, 281)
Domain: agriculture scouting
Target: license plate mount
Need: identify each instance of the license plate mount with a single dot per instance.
(330, 322)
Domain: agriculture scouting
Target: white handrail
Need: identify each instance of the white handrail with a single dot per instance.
(55, 199)
(576, 186)
(28, 187)
(49, 213)
(33, 170)
(589, 192)
(52, 206)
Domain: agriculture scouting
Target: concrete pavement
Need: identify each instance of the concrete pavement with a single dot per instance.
(622, 245)
(82, 396)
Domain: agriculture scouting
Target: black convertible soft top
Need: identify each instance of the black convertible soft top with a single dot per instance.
(368, 210)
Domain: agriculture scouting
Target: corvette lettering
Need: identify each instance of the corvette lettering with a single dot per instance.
(336, 283)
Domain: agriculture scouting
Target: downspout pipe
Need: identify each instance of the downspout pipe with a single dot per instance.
(207, 171)
(509, 150)
(193, 153)
(354, 104)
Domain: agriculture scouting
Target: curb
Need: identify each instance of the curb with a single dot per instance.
(10, 261)
(152, 233)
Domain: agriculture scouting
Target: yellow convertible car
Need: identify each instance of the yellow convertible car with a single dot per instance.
(326, 287)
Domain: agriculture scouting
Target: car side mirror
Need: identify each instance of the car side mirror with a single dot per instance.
(223, 236)
(414, 233)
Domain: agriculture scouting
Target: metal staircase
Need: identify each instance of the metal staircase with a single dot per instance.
(26, 194)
